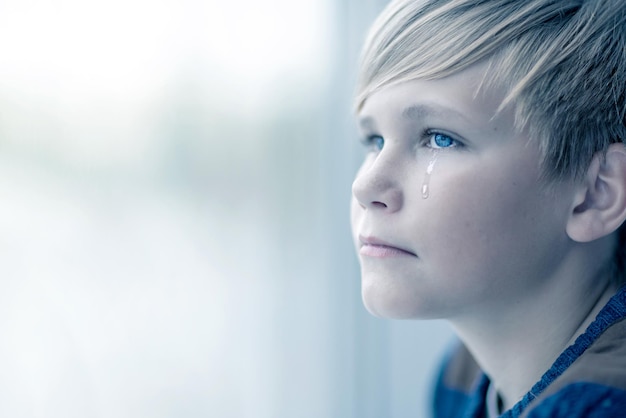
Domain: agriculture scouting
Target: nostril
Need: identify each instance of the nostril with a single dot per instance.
(379, 204)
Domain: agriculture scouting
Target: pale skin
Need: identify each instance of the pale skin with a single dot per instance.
(513, 262)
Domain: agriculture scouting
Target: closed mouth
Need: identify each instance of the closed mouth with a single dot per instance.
(375, 247)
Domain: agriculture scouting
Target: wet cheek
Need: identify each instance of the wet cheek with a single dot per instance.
(472, 219)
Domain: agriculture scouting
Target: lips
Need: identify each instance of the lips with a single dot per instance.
(375, 247)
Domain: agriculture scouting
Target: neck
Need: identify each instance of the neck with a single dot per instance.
(505, 344)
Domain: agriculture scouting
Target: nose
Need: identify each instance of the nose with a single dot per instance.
(376, 187)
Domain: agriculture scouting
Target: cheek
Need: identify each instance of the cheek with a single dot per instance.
(356, 211)
(507, 245)
(356, 214)
(481, 219)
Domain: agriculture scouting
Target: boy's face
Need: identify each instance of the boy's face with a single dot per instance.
(489, 233)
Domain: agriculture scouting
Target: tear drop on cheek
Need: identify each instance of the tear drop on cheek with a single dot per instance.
(429, 170)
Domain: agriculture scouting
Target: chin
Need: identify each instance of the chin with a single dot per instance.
(392, 304)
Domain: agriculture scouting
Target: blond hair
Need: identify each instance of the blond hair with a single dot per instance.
(561, 62)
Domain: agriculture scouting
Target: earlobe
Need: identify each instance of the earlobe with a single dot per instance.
(599, 205)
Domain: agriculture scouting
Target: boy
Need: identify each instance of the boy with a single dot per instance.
(493, 194)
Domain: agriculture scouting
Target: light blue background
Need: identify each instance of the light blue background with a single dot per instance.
(174, 236)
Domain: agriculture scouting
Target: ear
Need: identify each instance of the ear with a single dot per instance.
(599, 206)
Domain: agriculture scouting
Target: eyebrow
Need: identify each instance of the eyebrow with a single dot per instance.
(367, 123)
(421, 111)
(417, 112)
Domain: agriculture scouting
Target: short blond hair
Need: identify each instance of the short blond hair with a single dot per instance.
(561, 62)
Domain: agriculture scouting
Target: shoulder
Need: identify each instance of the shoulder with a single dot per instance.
(602, 363)
(457, 389)
(594, 385)
(583, 399)
(459, 369)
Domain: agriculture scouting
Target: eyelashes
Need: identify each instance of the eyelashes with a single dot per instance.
(374, 143)
(430, 138)
(438, 140)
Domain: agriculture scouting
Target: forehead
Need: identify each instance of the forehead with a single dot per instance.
(464, 97)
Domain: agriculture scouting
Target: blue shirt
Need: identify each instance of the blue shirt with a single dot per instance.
(587, 380)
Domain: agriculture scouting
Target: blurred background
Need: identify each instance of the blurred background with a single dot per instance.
(174, 237)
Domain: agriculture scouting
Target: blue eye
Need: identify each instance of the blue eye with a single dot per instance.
(378, 142)
(438, 140)
(374, 142)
